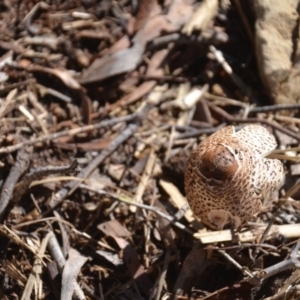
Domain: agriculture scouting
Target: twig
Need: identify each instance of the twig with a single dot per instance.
(241, 247)
(37, 174)
(50, 220)
(70, 187)
(172, 136)
(288, 231)
(236, 264)
(266, 232)
(145, 177)
(231, 119)
(292, 262)
(236, 80)
(276, 107)
(16, 85)
(71, 132)
(178, 201)
(208, 36)
(143, 206)
(46, 90)
(196, 133)
(223, 101)
(163, 78)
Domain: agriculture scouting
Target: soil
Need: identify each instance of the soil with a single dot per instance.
(101, 103)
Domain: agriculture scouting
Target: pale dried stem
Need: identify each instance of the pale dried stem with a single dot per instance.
(288, 231)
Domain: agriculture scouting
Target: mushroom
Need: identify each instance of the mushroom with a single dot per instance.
(227, 175)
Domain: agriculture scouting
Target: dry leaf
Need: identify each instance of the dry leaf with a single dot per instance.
(70, 272)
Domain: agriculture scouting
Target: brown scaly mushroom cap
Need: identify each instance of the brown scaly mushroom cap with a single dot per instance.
(227, 172)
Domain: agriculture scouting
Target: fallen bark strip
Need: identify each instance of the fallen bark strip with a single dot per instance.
(56, 253)
(36, 174)
(20, 167)
(288, 231)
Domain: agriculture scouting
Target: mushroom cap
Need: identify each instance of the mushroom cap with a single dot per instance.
(227, 171)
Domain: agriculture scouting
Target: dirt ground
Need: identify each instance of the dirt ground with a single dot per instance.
(101, 103)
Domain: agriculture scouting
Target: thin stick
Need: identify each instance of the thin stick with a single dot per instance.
(145, 177)
(71, 186)
(288, 231)
(235, 78)
(266, 232)
(242, 246)
(276, 107)
(231, 119)
(71, 132)
(50, 220)
(38, 173)
(143, 206)
(283, 265)
(236, 264)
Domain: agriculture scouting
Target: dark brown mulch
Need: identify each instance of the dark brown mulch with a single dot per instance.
(101, 104)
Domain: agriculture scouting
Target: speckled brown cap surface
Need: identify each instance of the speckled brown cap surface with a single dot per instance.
(226, 173)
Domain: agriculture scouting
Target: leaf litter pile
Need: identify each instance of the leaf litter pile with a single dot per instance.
(101, 103)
